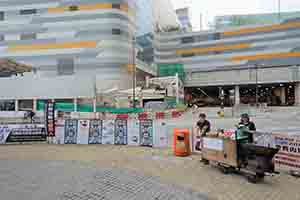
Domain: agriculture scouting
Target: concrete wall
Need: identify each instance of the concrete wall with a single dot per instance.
(47, 88)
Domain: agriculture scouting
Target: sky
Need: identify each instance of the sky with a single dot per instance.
(211, 8)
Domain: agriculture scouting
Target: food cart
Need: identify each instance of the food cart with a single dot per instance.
(235, 154)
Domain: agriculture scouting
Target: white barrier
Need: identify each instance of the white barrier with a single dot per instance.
(160, 134)
(134, 132)
(108, 132)
(83, 131)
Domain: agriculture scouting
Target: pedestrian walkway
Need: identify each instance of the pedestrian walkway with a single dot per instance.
(34, 172)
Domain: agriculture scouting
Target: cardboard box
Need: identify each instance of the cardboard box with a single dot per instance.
(220, 150)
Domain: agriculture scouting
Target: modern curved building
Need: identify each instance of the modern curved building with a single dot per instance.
(266, 55)
(62, 37)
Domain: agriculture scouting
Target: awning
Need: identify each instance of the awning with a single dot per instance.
(9, 67)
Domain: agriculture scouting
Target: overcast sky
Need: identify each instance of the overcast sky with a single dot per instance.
(211, 8)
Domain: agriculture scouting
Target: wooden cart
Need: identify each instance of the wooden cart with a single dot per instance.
(229, 157)
(221, 150)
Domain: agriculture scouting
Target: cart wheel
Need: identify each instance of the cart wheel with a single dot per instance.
(260, 175)
(252, 179)
(225, 170)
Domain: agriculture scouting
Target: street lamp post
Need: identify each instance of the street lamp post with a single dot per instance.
(133, 73)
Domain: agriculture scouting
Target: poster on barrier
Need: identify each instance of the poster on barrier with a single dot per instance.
(95, 132)
(27, 133)
(289, 155)
(71, 126)
(108, 131)
(134, 132)
(160, 134)
(4, 132)
(83, 131)
(121, 132)
(146, 133)
(59, 131)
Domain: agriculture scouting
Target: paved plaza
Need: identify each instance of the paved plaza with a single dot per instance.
(48, 172)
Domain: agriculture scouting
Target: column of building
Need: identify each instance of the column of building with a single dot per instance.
(297, 94)
(237, 98)
(283, 96)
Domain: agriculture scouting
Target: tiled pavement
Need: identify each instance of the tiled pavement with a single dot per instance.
(67, 180)
(43, 172)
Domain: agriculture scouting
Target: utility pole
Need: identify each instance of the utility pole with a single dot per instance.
(134, 72)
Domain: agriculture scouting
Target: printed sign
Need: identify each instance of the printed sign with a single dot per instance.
(289, 154)
(71, 126)
(213, 143)
(134, 132)
(95, 132)
(121, 132)
(108, 132)
(26, 133)
(146, 133)
(50, 118)
(4, 132)
(83, 131)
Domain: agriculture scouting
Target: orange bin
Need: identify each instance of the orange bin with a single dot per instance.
(181, 142)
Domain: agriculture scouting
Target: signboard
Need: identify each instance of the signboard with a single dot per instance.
(25, 133)
(213, 143)
(108, 132)
(83, 132)
(50, 118)
(146, 133)
(71, 126)
(134, 132)
(121, 132)
(289, 154)
(95, 132)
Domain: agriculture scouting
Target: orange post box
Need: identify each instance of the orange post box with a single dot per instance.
(181, 142)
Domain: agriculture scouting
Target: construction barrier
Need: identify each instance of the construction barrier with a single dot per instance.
(142, 129)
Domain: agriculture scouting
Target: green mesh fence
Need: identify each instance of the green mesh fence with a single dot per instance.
(69, 107)
(171, 70)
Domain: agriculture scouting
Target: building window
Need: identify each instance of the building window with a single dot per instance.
(65, 66)
(187, 55)
(1, 16)
(2, 38)
(188, 40)
(28, 36)
(116, 31)
(217, 36)
(28, 12)
(73, 8)
(116, 6)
